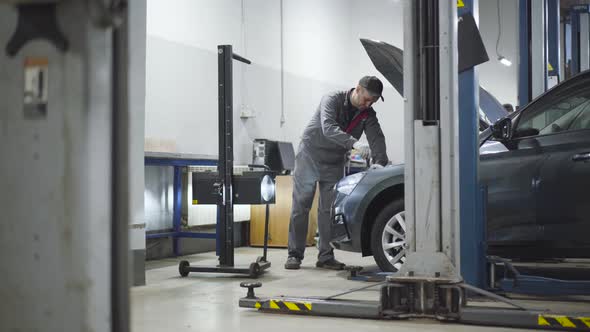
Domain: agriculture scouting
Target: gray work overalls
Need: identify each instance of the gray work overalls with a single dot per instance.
(333, 129)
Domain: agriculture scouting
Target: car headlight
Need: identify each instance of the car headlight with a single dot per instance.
(347, 185)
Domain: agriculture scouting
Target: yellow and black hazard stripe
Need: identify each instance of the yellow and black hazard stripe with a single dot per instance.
(564, 321)
(282, 305)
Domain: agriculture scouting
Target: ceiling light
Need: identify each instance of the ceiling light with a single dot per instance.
(505, 61)
(501, 58)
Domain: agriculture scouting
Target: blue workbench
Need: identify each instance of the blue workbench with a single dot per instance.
(178, 161)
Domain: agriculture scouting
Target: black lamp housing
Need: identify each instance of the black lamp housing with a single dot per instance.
(252, 188)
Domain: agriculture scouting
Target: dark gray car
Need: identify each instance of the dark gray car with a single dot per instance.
(537, 180)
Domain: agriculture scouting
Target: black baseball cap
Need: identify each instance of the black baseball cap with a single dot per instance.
(373, 85)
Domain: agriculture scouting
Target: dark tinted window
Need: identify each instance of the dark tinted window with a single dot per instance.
(582, 121)
(558, 110)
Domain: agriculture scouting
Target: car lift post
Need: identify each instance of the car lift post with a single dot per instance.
(471, 207)
(580, 38)
(533, 54)
(428, 285)
(225, 168)
(553, 45)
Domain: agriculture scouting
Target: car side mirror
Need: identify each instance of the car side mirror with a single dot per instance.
(502, 129)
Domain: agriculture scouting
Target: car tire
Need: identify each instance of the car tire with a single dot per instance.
(382, 237)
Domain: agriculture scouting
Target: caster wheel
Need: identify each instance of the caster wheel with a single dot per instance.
(254, 270)
(261, 260)
(182, 268)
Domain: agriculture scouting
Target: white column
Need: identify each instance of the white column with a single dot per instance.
(538, 48)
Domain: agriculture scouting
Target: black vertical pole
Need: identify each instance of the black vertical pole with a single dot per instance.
(225, 167)
(266, 216)
(226, 155)
(429, 59)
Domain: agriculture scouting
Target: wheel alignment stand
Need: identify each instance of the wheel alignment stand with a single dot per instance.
(428, 285)
(225, 207)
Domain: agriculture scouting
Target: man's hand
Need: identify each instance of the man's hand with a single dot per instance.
(363, 149)
(376, 166)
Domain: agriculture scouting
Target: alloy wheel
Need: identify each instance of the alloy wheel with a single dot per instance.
(393, 240)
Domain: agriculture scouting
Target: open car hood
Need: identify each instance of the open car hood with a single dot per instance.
(389, 61)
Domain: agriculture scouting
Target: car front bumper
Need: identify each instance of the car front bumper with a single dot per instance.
(345, 232)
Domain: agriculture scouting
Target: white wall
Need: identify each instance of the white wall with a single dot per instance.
(181, 94)
(321, 53)
(181, 75)
(500, 80)
(384, 23)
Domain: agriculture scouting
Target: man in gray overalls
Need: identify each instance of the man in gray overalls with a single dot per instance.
(334, 129)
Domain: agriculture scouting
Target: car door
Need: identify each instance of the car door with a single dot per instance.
(509, 171)
(555, 127)
(564, 184)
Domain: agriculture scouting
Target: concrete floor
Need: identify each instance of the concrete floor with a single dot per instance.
(209, 302)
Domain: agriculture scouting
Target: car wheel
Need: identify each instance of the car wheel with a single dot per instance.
(388, 237)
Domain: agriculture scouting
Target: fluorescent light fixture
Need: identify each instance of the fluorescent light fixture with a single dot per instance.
(505, 61)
